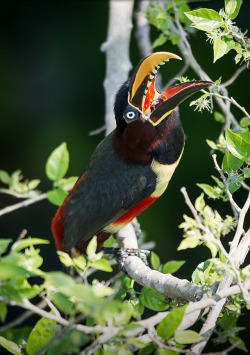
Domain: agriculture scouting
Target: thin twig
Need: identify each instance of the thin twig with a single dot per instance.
(22, 204)
(181, 73)
(98, 130)
(230, 196)
(234, 76)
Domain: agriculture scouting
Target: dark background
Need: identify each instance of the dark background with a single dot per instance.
(51, 86)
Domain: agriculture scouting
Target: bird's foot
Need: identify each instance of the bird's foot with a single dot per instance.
(121, 255)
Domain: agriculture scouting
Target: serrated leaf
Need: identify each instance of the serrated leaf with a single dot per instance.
(172, 266)
(232, 8)
(220, 48)
(153, 300)
(204, 19)
(27, 242)
(58, 163)
(187, 337)
(101, 264)
(12, 347)
(4, 177)
(4, 243)
(43, 331)
(91, 248)
(237, 145)
(170, 323)
(188, 242)
(56, 196)
(155, 261)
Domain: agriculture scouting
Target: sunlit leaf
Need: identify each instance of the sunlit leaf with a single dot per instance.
(220, 48)
(91, 248)
(57, 196)
(172, 266)
(43, 331)
(189, 242)
(232, 8)
(12, 347)
(4, 177)
(237, 145)
(58, 163)
(4, 243)
(204, 19)
(170, 323)
(155, 261)
(27, 242)
(102, 264)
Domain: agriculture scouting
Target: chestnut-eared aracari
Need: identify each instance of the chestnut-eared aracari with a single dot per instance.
(132, 166)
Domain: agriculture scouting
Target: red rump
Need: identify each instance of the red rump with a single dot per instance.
(57, 225)
(133, 212)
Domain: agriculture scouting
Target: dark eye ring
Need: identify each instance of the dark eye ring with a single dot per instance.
(130, 115)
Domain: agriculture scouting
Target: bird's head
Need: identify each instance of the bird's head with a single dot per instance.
(139, 100)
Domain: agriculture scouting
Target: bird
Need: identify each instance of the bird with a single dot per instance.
(132, 166)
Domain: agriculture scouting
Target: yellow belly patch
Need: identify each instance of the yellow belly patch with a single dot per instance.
(164, 173)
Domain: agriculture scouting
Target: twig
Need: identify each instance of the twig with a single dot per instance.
(239, 229)
(181, 73)
(13, 193)
(97, 131)
(226, 351)
(233, 203)
(229, 99)
(22, 204)
(234, 76)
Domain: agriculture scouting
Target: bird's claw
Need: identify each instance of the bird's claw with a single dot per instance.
(121, 255)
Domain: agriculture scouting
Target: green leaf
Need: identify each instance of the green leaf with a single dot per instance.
(4, 177)
(245, 122)
(148, 350)
(209, 190)
(4, 243)
(58, 280)
(161, 351)
(131, 330)
(62, 302)
(43, 331)
(58, 163)
(12, 347)
(27, 242)
(219, 117)
(220, 48)
(187, 337)
(67, 183)
(204, 19)
(65, 258)
(246, 172)
(237, 145)
(211, 144)
(241, 344)
(232, 8)
(155, 261)
(91, 248)
(33, 184)
(230, 162)
(188, 242)
(159, 41)
(170, 323)
(153, 300)
(3, 311)
(10, 271)
(172, 266)
(101, 264)
(56, 196)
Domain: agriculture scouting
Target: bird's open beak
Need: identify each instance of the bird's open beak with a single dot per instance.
(153, 105)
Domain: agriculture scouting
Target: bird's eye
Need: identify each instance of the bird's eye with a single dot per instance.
(130, 115)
